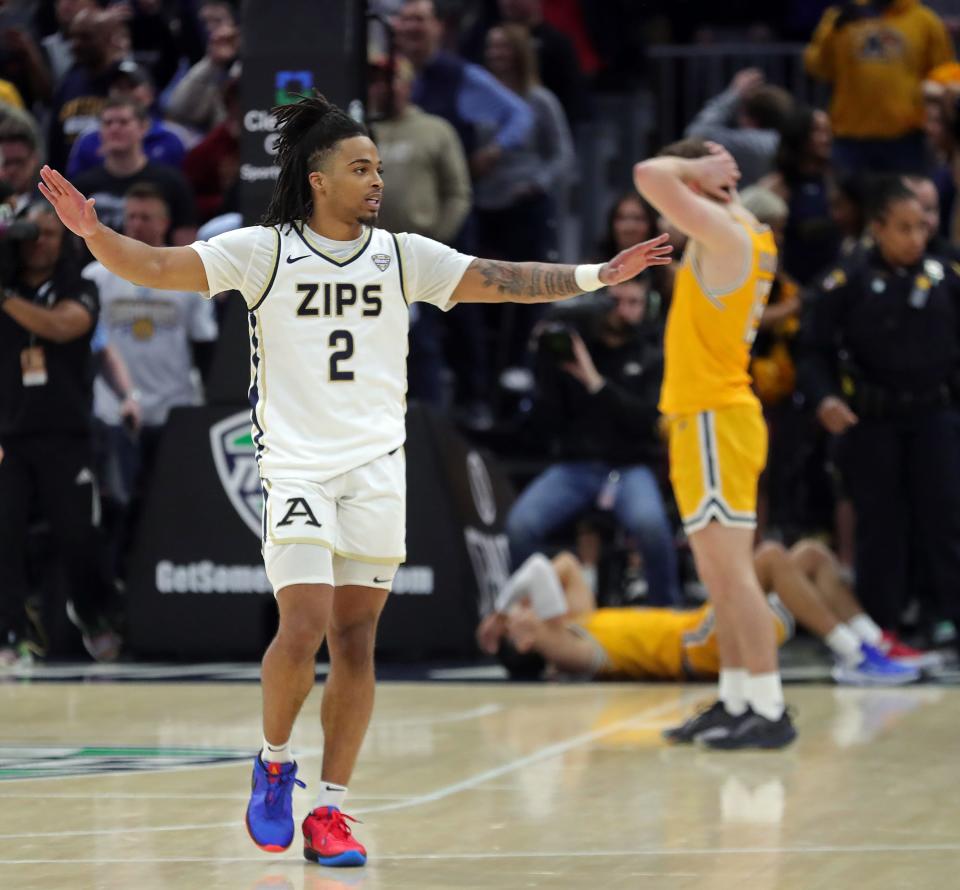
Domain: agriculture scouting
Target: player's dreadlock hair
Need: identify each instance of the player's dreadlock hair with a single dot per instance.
(307, 131)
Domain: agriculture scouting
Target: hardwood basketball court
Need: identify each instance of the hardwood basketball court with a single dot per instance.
(143, 785)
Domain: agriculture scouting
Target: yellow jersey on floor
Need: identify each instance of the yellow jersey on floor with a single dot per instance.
(710, 332)
(663, 644)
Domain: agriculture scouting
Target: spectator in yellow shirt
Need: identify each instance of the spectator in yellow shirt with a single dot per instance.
(876, 53)
(10, 95)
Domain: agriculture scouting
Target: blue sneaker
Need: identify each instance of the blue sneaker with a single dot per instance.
(874, 669)
(270, 811)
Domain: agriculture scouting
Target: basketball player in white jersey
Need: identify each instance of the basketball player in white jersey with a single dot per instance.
(328, 296)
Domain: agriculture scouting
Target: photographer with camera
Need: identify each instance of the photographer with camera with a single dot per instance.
(599, 370)
(876, 53)
(47, 317)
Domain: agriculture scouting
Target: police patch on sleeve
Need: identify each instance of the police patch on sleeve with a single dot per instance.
(933, 269)
(836, 278)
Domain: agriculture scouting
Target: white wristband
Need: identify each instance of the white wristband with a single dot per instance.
(588, 277)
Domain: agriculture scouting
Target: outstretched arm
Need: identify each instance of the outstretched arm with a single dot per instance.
(167, 268)
(493, 281)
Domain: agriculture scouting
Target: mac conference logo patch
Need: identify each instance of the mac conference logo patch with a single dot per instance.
(231, 442)
(41, 762)
(381, 261)
(290, 86)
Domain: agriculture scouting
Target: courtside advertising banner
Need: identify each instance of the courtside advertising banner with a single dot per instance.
(289, 49)
(197, 588)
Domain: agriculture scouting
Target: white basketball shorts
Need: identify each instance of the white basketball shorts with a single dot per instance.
(348, 530)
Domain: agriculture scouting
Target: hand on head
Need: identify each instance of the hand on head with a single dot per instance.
(491, 631)
(717, 173)
(522, 627)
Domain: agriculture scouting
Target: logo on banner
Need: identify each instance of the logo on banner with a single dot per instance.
(490, 558)
(42, 762)
(233, 455)
(481, 488)
(289, 84)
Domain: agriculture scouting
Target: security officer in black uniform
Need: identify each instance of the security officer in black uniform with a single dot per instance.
(880, 352)
(47, 315)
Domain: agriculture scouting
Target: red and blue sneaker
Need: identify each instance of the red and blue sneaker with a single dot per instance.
(874, 669)
(896, 650)
(328, 840)
(270, 811)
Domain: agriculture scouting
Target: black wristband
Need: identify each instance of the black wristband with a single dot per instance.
(5, 295)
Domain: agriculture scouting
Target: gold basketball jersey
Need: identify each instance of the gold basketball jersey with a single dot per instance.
(665, 644)
(644, 643)
(709, 333)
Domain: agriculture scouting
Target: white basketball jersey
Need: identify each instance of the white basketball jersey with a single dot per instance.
(328, 337)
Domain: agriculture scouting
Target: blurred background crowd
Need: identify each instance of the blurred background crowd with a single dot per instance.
(508, 129)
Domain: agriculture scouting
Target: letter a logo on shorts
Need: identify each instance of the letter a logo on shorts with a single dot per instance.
(298, 508)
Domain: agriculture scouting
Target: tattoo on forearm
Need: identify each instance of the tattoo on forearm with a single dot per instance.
(529, 279)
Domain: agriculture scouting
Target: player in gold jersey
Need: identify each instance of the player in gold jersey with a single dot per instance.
(718, 439)
(547, 618)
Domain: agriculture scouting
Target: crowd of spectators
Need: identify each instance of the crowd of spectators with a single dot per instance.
(477, 108)
(138, 104)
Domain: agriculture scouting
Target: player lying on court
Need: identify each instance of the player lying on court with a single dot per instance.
(328, 295)
(546, 616)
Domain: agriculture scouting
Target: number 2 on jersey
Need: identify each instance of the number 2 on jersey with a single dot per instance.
(341, 355)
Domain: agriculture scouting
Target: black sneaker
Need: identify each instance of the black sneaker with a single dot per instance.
(713, 717)
(751, 730)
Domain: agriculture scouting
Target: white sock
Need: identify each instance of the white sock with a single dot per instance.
(276, 753)
(733, 690)
(536, 579)
(845, 644)
(867, 629)
(331, 795)
(765, 695)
